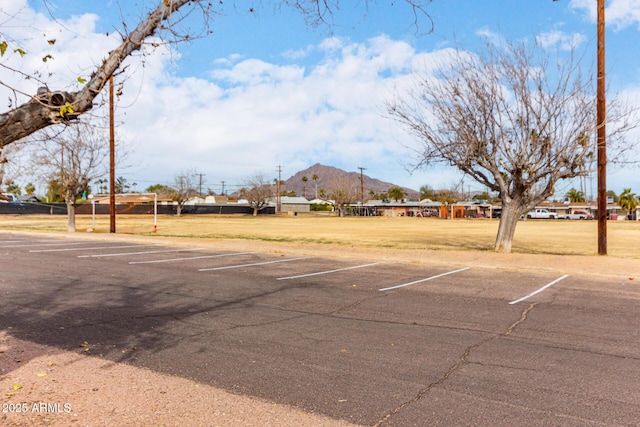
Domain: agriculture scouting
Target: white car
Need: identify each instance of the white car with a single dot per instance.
(579, 215)
(542, 214)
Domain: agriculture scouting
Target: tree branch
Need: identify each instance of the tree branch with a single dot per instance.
(35, 114)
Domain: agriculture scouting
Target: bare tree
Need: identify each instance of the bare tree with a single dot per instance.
(344, 191)
(48, 107)
(9, 164)
(74, 157)
(513, 119)
(184, 188)
(258, 192)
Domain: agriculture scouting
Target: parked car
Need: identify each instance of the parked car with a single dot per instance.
(579, 215)
(542, 214)
(9, 198)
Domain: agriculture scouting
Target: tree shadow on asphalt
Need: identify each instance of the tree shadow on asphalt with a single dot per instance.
(111, 320)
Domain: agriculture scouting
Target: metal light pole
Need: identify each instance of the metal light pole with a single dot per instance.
(601, 114)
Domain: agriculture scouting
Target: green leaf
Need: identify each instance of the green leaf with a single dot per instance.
(46, 58)
(21, 52)
(82, 80)
(3, 48)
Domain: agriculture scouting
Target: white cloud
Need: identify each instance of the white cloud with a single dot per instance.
(71, 47)
(254, 115)
(561, 39)
(250, 115)
(618, 13)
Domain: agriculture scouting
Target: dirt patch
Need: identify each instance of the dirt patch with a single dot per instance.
(43, 386)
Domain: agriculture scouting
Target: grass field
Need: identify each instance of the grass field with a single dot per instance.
(536, 237)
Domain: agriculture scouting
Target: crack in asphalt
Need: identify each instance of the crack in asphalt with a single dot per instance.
(525, 313)
(462, 361)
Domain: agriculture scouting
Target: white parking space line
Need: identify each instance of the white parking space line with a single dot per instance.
(250, 265)
(328, 271)
(30, 245)
(88, 249)
(423, 280)
(155, 261)
(139, 253)
(539, 290)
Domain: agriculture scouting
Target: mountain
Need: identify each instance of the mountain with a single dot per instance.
(328, 174)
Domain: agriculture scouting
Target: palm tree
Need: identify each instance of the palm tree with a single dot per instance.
(426, 192)
(396, 193)
(315, 178)
(575, 196)
(628, 200)
(30, 189)
(304, 186)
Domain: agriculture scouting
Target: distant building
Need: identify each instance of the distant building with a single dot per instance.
(293, 204)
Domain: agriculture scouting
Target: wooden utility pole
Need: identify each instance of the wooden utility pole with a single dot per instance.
(361, 189)
(278, 206)
(200, 175)
(361, 184)
(601, 137)
(112, 163)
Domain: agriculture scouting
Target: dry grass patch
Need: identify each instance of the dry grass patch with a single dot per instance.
(536, 237)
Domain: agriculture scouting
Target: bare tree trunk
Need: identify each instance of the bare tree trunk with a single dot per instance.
(71, 216)
(179, 209)
(507, 228)
(3, 161)
(255, 211)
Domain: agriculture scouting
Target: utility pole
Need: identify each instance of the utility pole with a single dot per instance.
(223, 187)
(361, 183)
(62, 195)
(200, 175)
(278, 207)
(602, 137)
(361, 188)
(112, 163)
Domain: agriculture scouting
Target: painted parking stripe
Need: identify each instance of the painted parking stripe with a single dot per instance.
(251, 265)
(88, 249)
(139, 253)
(423, 280)
(155, 261)
(540, 290)
(30, 245)
(328, 271)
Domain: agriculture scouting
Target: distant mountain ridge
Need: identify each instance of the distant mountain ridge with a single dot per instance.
(328, 174)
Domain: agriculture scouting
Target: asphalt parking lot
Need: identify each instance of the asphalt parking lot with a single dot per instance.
(373, 343)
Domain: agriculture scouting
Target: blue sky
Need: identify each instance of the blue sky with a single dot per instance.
(265, 90)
